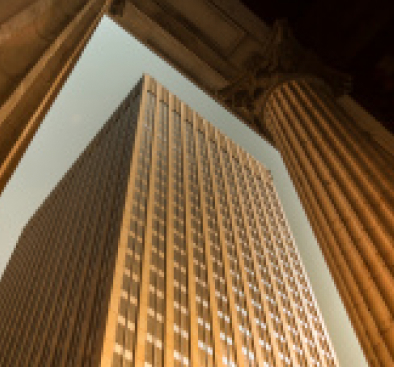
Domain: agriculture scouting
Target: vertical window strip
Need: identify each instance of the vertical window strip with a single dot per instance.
(279, 278)
(205, 340)
(181, 307)
(260, 311)
(228, 345)
(242, 309)
(154, 348)
(308, 314)
(128, 308)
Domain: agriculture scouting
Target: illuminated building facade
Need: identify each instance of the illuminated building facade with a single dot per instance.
(164, 245)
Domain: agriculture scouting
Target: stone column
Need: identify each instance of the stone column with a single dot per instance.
(347, 188)
(345, 179)
(40, 42)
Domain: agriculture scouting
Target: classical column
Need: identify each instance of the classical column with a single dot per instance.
(345, 179)
(347, 190)
(40, 42)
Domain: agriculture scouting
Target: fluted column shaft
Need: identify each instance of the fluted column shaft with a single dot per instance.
(346, 185)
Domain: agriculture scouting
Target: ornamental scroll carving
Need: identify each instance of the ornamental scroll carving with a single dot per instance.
(283, 59)
(117, 7)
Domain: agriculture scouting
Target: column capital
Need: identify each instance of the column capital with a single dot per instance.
(283, 59)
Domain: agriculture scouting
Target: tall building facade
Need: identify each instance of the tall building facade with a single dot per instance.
(165, 244)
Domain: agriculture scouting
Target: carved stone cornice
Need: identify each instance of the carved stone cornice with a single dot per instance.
(117, 7)
(283, 59)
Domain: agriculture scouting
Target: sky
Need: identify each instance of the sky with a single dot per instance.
(108, 69)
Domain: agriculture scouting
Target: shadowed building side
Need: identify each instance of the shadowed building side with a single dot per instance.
(55, 289)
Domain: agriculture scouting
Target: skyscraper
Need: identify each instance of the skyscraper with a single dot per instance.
(164, 245)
